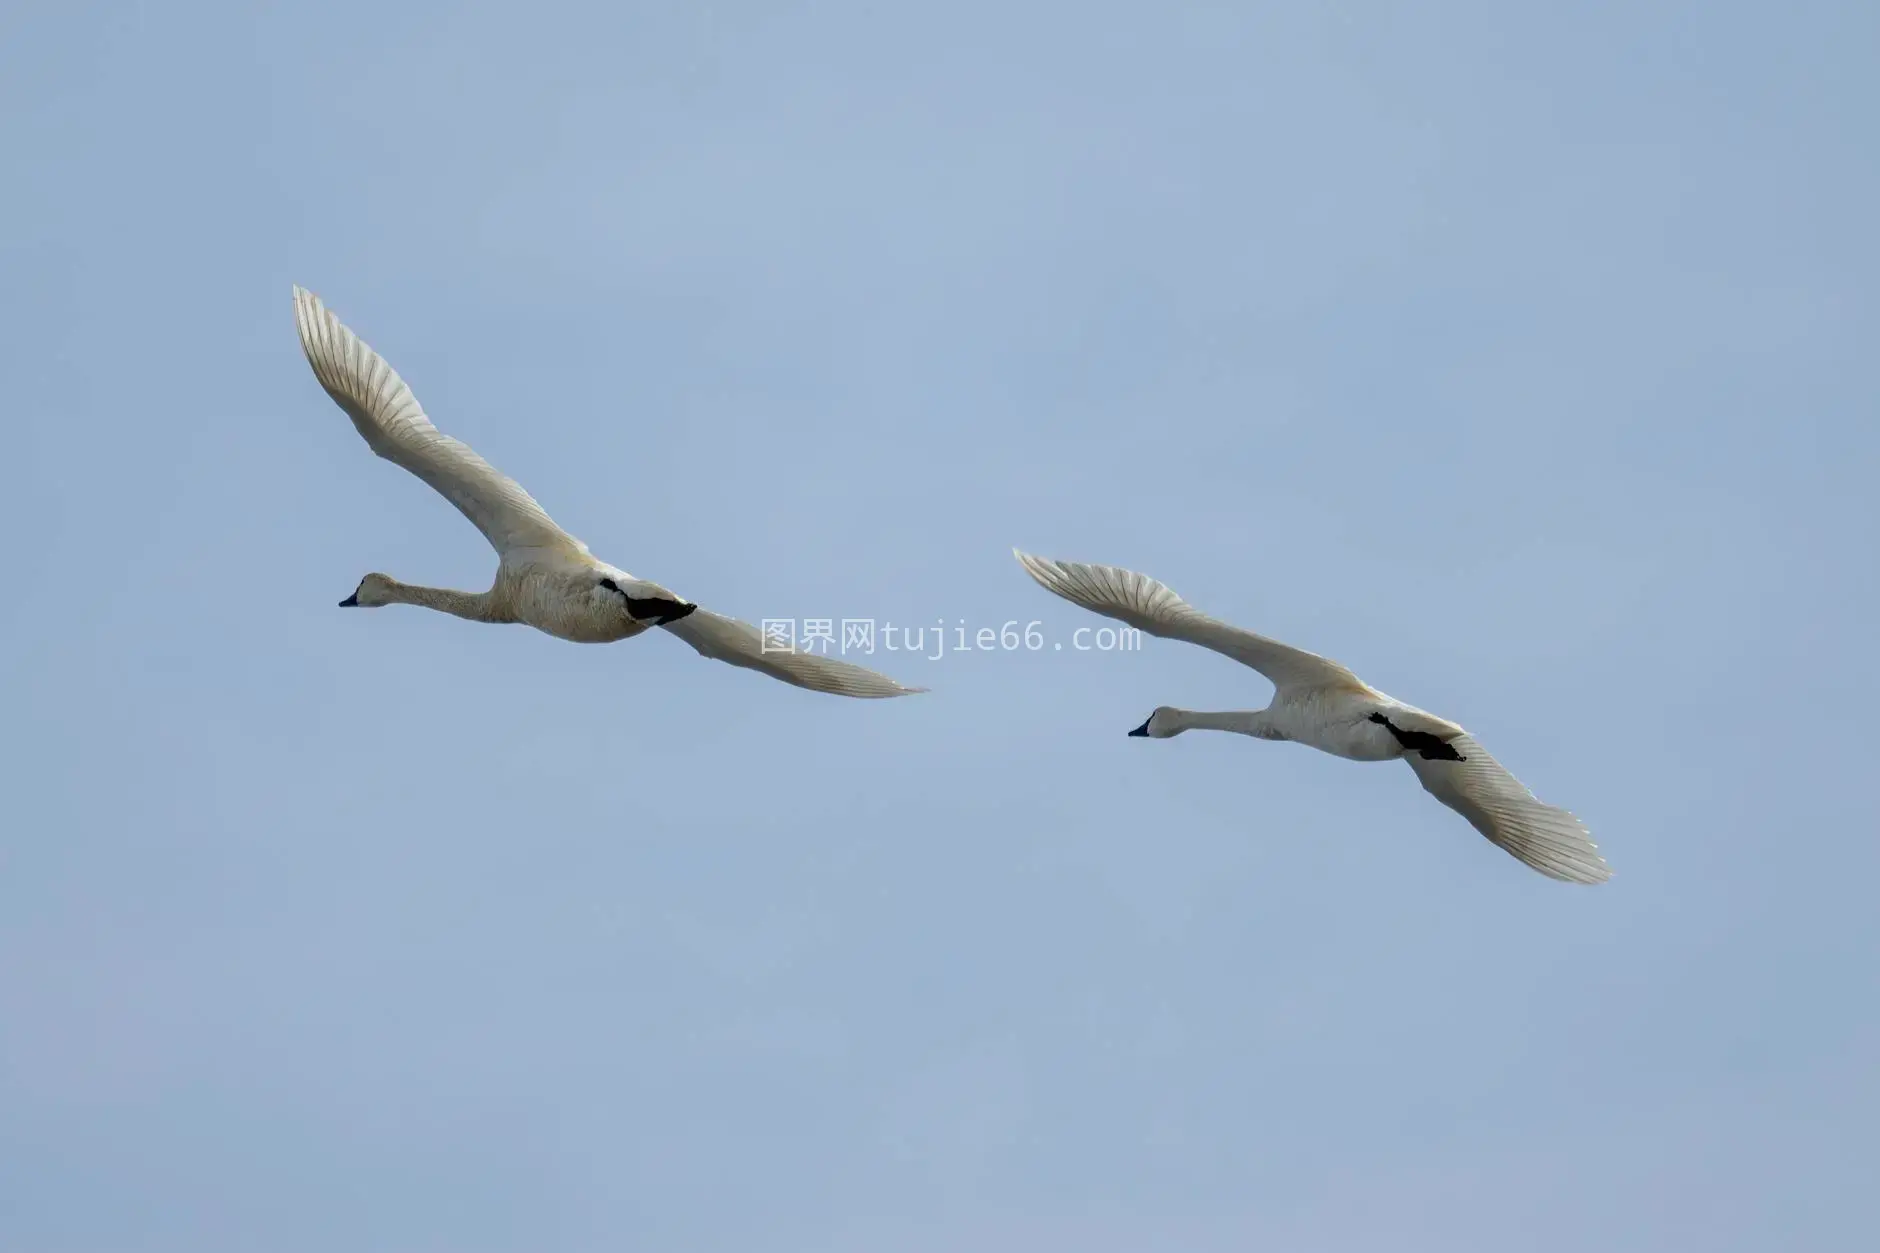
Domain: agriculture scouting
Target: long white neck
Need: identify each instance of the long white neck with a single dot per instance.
(1242, 722)
(476, 606)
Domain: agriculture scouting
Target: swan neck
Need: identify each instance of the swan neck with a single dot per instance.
(472, 605)
(1242, 722)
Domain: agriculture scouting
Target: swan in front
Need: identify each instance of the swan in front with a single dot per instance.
(545, 577)
(1320, 703)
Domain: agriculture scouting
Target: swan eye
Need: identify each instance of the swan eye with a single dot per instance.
(610, 585)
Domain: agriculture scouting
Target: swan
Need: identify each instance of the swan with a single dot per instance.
(545, 577)
(1320, 703)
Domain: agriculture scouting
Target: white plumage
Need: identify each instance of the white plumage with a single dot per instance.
(1320, 703)
(545, 577)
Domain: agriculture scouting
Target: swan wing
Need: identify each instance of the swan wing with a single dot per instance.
(385, 412)
(1478, 787)
(741, 644)
(1150, 606)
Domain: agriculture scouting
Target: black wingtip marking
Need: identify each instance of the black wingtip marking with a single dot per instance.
(659, 609)
(1432, 748)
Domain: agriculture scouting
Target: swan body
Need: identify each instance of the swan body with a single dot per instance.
(1322, 704)
(556, 596)
(545, 577)
(1332, 720)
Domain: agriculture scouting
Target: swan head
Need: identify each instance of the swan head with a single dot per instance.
(1161, 724)
(373, 590)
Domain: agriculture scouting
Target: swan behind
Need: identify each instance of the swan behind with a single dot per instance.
(1320, 703)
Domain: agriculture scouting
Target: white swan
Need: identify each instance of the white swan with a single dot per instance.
(545, 577)
(1319, 703)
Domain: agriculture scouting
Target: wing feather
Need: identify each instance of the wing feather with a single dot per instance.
(395, 427)
(741, 644)
(1497, 804)
(1141, 602)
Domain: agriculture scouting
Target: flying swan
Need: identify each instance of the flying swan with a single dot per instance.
(545, 577)
(1319, 703)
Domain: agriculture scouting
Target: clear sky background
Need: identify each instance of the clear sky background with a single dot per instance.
(1517, 354)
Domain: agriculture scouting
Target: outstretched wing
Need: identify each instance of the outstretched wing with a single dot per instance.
(1549, 839)
(1150, 606)
(740, 644)
(385, 412)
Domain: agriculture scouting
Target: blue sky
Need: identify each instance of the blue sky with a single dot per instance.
(1516, 354)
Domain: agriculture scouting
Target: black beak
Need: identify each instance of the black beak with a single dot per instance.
(1143, 730)
(684, 612)
(351, 602)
